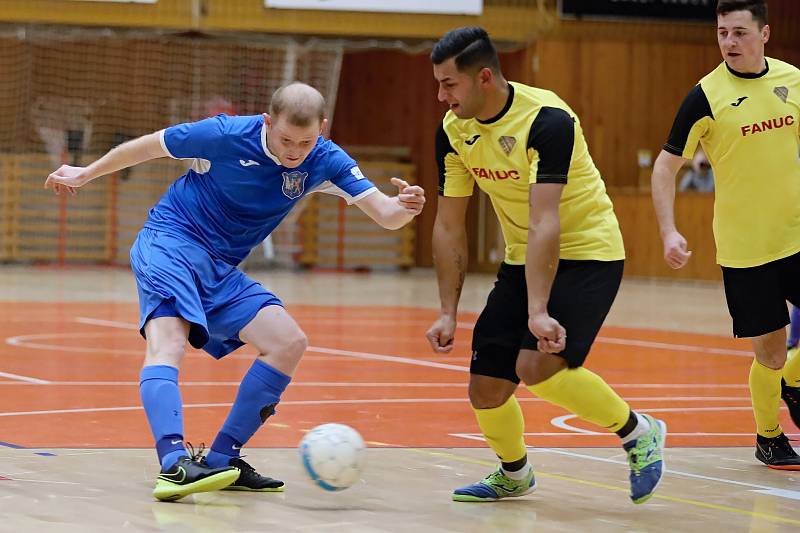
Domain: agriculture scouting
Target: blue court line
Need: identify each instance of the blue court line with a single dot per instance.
(18, 447)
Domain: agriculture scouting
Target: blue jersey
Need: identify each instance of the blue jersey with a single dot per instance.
(237, 192)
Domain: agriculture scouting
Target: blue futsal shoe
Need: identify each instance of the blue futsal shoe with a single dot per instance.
(495, 486)
(646, 459)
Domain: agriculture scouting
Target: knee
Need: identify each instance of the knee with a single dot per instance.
(773, 360)
(482, 396)
(540, 367)
(292, 346)
(165, 350)
(166, 340)
(297, 344)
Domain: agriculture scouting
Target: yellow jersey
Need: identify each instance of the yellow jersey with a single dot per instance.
(536, 138)
(747, 125)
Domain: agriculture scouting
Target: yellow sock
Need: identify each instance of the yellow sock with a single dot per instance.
(503, 428)
(791, 370)
(765, 392)
(584, 393)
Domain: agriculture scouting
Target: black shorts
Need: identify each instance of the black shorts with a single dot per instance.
(757, 295)
(580, 299)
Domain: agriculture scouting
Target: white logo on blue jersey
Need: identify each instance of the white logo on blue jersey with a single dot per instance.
(355, 171)
(248, 163)
(294, 183)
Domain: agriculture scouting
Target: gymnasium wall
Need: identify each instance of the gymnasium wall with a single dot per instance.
(624, 79)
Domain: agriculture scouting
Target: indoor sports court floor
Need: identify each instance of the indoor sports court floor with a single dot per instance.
(77, 456)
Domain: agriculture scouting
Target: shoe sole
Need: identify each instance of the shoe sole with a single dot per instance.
(785, 467)
(476, 499)
(248, 489)
(167, 491)
(663, 426)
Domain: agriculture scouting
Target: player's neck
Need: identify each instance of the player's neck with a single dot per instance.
(496, 102)
(758, 66)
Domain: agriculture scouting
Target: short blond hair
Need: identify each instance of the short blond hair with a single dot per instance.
(299, 103)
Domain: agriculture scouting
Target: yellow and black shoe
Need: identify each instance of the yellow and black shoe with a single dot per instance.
(251, 480)
(777, 453)
(189, 476)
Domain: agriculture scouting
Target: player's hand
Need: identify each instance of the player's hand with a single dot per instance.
(442, 334)
(552, 335)
(67, 178)
(411, 197)
(676, 252)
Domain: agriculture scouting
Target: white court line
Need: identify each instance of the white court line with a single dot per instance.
(761, 489)
(359, 401)
(561, 421)
(414, 384)
(652, 344)
(208, 405)
(22, 340)
(107, 323)
(237, 383)
(681, 385)
(26, 379)
(45, 481)
(371, 384)
(610, 435)
(471, 325)
(389, 358)
(388, 385)
(675, 347)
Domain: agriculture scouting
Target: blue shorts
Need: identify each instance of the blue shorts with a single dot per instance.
(175, 277)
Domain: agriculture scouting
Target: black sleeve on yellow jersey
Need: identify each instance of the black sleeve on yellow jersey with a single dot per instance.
(694, 107)
(553, 136)
(443, 148)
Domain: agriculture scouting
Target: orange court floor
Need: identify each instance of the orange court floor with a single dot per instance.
(70, 373)
(70, 357)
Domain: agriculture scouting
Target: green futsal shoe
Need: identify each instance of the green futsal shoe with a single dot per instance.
(496, 486)
(189, 476)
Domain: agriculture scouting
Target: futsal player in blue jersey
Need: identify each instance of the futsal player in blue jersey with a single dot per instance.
(248, 173)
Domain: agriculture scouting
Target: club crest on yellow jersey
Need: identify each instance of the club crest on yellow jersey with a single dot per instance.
(507, 143)
(782, 93)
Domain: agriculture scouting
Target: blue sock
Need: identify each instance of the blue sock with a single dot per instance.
(258, 395)
(794, 328)
(158, 387)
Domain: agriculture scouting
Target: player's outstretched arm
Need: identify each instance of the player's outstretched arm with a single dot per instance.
(396, 211)
(665, 169)
(450, 258)
(69, 178)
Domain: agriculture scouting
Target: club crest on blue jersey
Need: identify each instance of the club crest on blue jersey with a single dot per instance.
(294, 183)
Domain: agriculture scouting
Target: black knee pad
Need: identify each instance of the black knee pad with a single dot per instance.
(267, 411)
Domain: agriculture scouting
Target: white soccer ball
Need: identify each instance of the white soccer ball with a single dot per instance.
(333, 456)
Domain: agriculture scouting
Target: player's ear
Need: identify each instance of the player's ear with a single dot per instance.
(267, 120)
(765, 32)
(323, 128)
(485, 76)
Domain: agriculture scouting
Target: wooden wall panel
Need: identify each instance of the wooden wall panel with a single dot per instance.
(626, 93)
(694, 213)
(389, 99)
